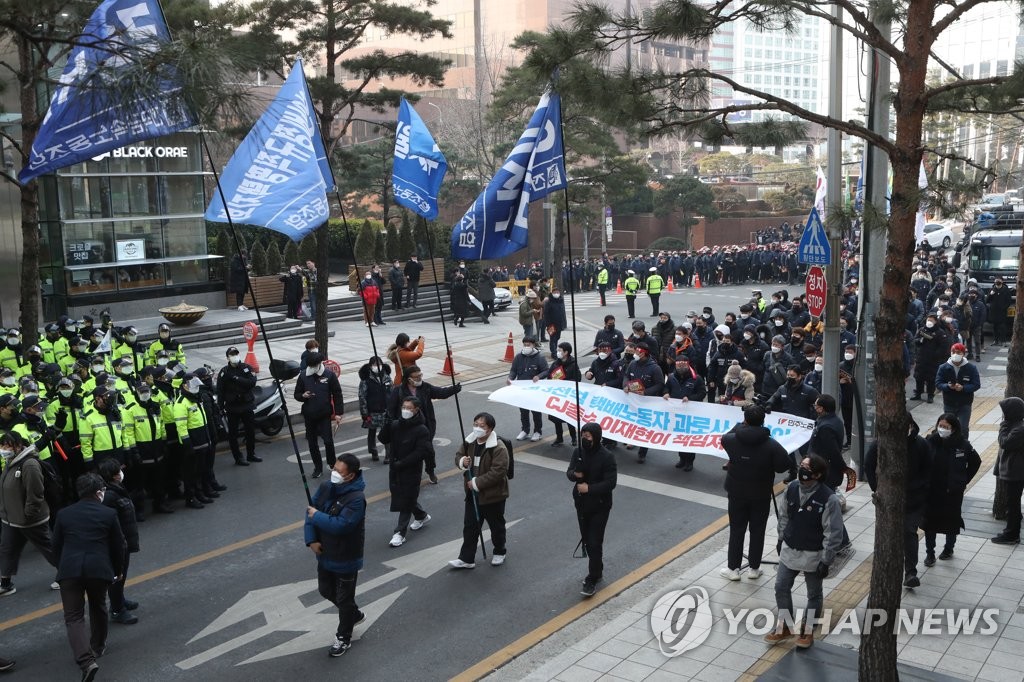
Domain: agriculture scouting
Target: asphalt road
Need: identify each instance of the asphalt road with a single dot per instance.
(229, 592)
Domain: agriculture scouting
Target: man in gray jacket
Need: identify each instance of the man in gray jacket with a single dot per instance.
(23, 509)
(810, 534)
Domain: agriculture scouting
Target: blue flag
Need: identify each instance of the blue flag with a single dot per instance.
(496, 224)
(88, 115)
(279, 176)
(419, 165)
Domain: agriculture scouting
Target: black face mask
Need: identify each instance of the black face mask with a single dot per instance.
(588, 444)
(793, 383)
(805, 474)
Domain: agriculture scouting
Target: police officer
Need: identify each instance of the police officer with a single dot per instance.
(150, 435)
(631, 286)
(13, 356)
(102, 432)
(602, 282)
(235, 384)
(190, 420)
(53, 345)
(166, 343)
(655, 283)
(129, 346)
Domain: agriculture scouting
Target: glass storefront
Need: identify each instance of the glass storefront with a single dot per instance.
(128, 225)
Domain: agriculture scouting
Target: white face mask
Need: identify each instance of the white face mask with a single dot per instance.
(82, 347)
(310, 371)
(417, 382)
(130, 338)
(706, 316)
(556, 295)
(818, 367)
(66, 392)
(603, 356)
(144, 396)
(162, 361)
(930, 324)
(479, 432)
(944, 433)
(234, 359)
(529, 350)
(560, 354)
(947, 320)
(6, 454)
(779, 323)
(120, 478)
(849, 356)
(748, 336)
(7, 381)
(407, 414)
(13, 341)
(97, 369)
(165, 335)
(99, 495)
(125, 371)
(776, 349)
(336, 477)
(956, 357)
(679, 338)
(744, 316)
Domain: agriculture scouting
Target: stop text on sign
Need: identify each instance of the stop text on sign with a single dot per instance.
(816, 289)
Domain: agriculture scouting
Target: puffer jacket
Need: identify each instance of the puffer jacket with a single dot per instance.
(1011, 440)
(490, 473)
(22, 502)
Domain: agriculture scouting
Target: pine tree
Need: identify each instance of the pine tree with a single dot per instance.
(307, 247)
(380, 250)
(392, 248)
(291, 254)
(406, 244)
(258, 256)
(366, 243)
(274, 264)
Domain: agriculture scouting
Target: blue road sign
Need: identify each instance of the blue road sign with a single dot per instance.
(814, 248)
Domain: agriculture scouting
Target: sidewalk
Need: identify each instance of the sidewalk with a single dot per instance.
(615, 641)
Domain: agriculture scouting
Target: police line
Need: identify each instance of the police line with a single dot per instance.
(648, 421)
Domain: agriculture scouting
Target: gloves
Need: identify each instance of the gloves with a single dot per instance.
(458, 388)
(186, 443)
(822, 570)
(61, 420)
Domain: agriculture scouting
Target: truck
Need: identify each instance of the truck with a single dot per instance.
(992, 252)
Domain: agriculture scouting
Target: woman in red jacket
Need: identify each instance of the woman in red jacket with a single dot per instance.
(370, 293)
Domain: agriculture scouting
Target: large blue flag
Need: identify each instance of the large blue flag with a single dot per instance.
(279, 176)
(496, 224)
(89, 115)
(419, 165)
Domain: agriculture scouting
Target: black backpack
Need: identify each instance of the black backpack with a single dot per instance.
(53, 489)
(511, 473)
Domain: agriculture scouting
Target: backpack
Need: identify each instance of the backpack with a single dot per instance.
(511, 473)
(53, 489)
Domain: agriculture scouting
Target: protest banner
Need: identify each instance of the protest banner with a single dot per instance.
(648, 421)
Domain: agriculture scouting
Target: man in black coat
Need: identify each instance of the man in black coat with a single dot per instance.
(412, 271)
(916, 484)
(827, 441)
(754, 459)
(411, 446)
(89, 548)
(320, 394)
(413, 386)
(235, 384)
(593, 473)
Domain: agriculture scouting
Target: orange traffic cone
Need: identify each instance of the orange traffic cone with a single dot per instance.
(448, 370)
(670, 287)
(510, 350)
(696, 280)
(618, 287)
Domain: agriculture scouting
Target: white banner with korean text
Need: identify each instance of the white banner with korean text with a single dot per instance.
(648, 421)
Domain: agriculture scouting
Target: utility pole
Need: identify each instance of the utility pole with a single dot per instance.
(873, 242)
(834, 270)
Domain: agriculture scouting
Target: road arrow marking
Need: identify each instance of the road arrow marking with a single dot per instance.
(283, 610)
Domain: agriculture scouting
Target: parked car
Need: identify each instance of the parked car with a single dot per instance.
(938, 235)
(502, 299)
(990, 201)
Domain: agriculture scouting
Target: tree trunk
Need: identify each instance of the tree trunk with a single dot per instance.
(877, 660)
(29, 302)
(558, 251)
(1014, 376)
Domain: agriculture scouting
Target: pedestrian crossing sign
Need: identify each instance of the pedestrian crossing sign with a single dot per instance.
(814, 248)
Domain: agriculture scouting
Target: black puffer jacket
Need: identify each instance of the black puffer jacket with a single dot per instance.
(1011, 440)
(117, 499)
(754, 459)
(599, 473)
(411, 446)
(918, 476)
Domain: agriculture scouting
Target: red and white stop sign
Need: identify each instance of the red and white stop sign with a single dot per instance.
(816, 290)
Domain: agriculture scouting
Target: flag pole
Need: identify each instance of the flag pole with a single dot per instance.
(248, 283)
(572, 286)
(259, 317)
